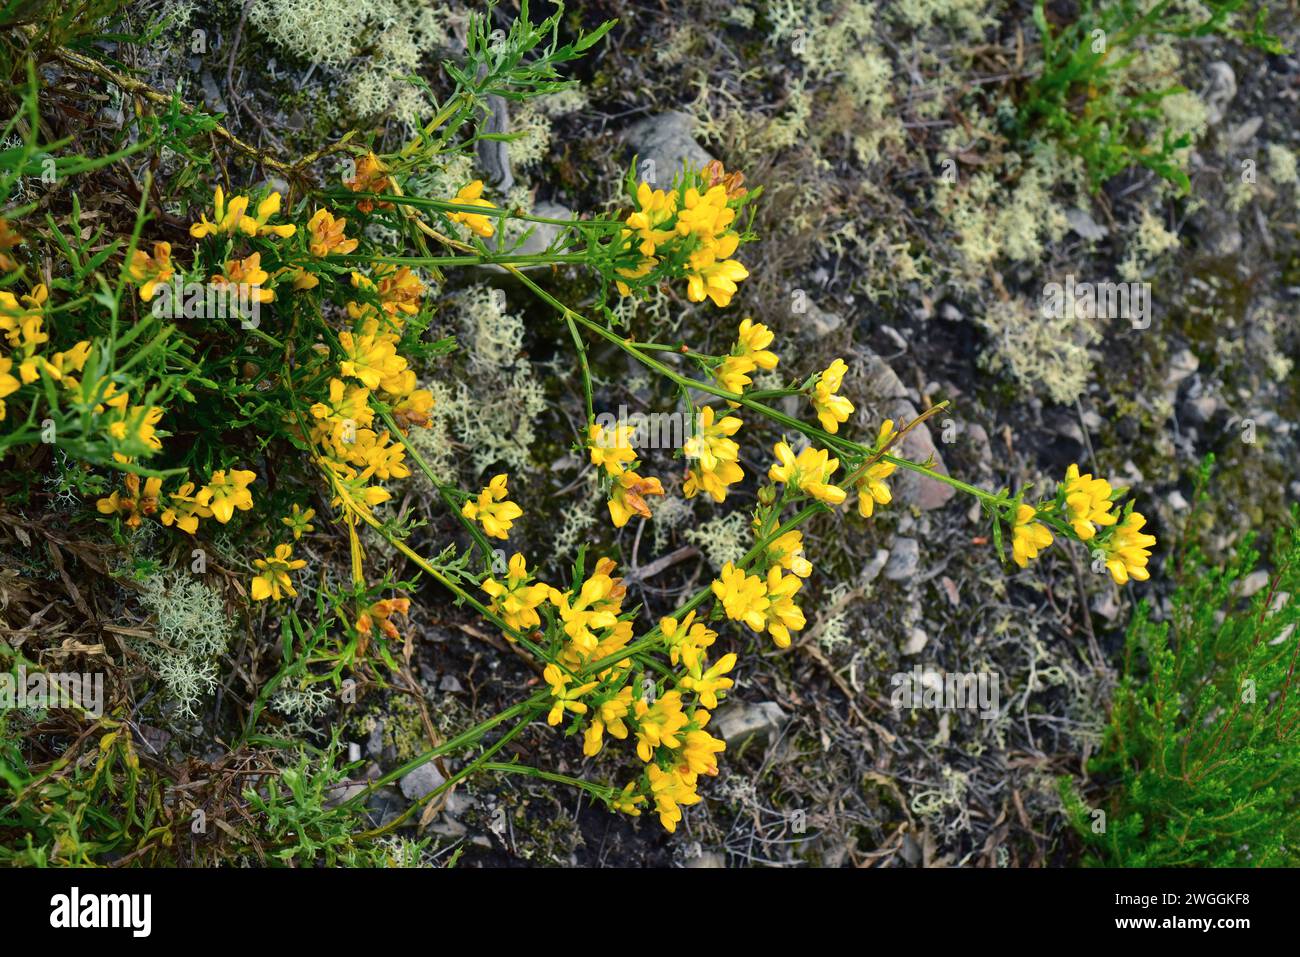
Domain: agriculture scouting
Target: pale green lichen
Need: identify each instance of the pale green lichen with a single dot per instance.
(1040, 352)
(723, 539)
(191, 630)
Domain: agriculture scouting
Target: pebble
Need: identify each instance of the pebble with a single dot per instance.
(904, 559)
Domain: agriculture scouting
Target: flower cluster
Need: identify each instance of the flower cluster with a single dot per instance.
(687, 231)
(226, 492)
(612, 453)
(1089, 508)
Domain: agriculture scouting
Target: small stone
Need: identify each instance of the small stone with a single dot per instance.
(1177, 502)
(421, 781)
(384, 806)
(817, 321)
(1202, 408)
(738, 721)
(662, 144)
(904, 559)
(707, 859)
(1252, 583)
(873, 569)
(451, 684)
(1182, 364)
(1106, 605)
(917, 639)
(1082, 223)
(1243, 133)
(1222, 90)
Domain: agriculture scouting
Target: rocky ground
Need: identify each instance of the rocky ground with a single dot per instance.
(925, 286)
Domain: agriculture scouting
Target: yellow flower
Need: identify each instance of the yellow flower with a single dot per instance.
(134, 426)
(517, 599)
(787, 551)
(669, 790)
(712, 275)
(492, 510)
(749, 353)
(810, 472)
(247, 272)
(151, 271)
(327, 235)
(628, 497)
(380, 614)
(658, 724)
(705, 216)
(9, 238)
(743, 597)
(713, 456)
(1088, 503)
(831, 409)
(472, 195)
(595, 608)
(258, 225)
(1028, 537)
(8, 383)
(1128, 549)
(274, 580)
(227, 218)
(133, 505)
(399, 289)
(299, 521)
(686, 639)
(371, 177)
(782, 615)
(627, 800)
(656, 208)
(302, 279)
(707, 684)
(21, 321)
(226, 492)
(184, 509)
(608, 716)
(371, 359)
(700, 750)
(566, 699)
(611, 449)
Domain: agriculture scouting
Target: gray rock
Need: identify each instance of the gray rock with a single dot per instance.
(421, 781)
(1243, 133)
(1082, 223)
(904, 559)
(917, 639)
(872, 571)
(738, 721)
(662, 144)
(450, 684)
(1182, 364)
(493, 155)
(384, 805)
(1202, 408)
(706, 860)
(816, 321)
(918, 445)
(1221, 89)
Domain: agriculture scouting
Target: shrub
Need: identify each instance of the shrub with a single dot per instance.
(1201, 759)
